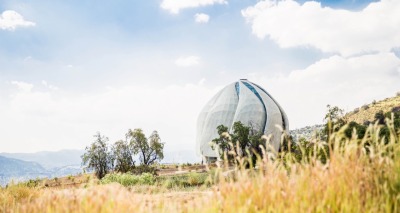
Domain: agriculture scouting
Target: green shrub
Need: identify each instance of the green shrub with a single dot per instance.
(187, 180)
(195, 179)
(123, 179)
(172, 182)
(127, 179)
(360, 130)
(147, 179)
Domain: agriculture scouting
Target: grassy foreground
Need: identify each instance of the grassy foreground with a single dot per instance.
(359, 176)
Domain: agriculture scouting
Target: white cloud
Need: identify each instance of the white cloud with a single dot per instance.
(290, 24)
(58, 119)
(10, 20)
(22, 86)
(49, 86)
(174, 6)
(201, 18)
(187, 61)
(345, 82)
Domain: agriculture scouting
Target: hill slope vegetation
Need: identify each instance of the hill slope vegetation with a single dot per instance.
(367, 112)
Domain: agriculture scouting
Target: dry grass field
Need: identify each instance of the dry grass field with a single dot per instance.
(360, 175)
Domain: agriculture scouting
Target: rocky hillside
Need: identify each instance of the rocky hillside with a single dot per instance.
(306, 132)
(360, 115)
(368, 111)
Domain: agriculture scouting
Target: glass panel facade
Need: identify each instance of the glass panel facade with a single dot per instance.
(259, 97)
(237, 87)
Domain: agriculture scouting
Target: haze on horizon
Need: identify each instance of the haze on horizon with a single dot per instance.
(71, 68)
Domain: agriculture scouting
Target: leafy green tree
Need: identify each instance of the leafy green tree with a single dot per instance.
(156, 150)
(123, 156)
(241, 136)
(333, 119)
(334, 114)
(98, 156)
(224, 142)
(149, 150)
(244, 141)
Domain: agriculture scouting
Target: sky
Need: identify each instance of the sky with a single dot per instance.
(71, 68)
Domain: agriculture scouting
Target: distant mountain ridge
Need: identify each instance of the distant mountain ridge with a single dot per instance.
(11, 166)
(24, 166)
(15, 169)
(50, 159)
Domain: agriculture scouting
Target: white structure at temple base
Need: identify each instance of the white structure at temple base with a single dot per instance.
(241, 101)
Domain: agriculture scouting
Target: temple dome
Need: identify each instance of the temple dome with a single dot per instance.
(241, 101)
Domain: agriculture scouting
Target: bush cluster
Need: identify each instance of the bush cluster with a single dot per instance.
(127, 179)
(177, 181)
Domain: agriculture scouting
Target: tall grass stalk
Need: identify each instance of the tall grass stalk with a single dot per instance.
(356, 176)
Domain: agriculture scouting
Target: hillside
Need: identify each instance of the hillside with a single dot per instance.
(368, 111)
(360, 115)
(306, 132)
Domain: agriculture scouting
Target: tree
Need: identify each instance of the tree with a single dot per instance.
(380, 117)
(334, 120)
(156, 148)
(224, 141)
(150, 150)
(98, 157)
(123, 156)
(241, 135)
(334, 114)
(244, 141)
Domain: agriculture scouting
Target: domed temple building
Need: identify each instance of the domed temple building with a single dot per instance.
(241, 101)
